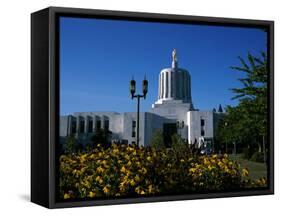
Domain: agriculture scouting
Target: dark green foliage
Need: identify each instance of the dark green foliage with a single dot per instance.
(257, 157)
(71, 144)
(102, 137)
(178, 143)
(157, 140)
(247, 153)
(246, 123)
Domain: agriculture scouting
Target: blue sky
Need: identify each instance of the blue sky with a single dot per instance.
(99, 57)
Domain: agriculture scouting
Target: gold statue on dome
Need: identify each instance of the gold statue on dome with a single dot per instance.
(174, 55)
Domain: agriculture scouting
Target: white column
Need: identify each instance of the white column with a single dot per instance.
(159, 86)
(178, 84)
(174, 85)
(170, 84)
(164, 85)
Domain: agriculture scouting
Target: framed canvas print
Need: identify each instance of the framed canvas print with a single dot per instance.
(138, 107)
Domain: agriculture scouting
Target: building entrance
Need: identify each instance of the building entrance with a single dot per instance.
(169, 129)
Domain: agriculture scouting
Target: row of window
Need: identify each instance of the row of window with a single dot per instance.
(133, 128)
(90, 129)
(202, 127)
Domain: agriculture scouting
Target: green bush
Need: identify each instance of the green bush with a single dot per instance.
(157, 140)
(124, 170)
(247, 153)
(257, 157)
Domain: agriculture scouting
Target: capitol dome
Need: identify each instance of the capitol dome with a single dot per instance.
(174, 84)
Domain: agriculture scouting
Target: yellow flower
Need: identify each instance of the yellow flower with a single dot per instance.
(127, 157)
(138, 164)
(182, 160)
(87, 184)
(106, 189)
(104, 162)
(138, 189)
(206, 161)
(245, 172)
(92, 194)
(122, 186)
(123, 169)
(129, 149)
(214, 156)
(100, 169)
(192, 170)
(143, 170)
(115, 151)
(137, 178)
(66, 196)
(148, 158)
(99, 180)
(129, 163)
(150, 189)
(263, 181)
(132, 182)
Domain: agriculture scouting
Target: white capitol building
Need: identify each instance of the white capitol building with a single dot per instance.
(174, 104)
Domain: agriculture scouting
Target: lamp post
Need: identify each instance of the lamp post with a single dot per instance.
(138, 96)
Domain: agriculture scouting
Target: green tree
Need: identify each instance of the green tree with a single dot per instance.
(102, 137)
(157, 140)
(178, 143)
(70, 144)
(247, 122)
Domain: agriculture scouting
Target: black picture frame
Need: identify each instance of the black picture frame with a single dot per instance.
(45, 101)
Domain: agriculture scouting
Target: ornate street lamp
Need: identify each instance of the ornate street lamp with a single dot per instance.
(138, 96)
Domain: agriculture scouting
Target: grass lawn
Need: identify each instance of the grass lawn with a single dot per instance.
(256, 170)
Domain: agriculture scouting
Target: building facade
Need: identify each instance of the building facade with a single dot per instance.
(173, 112)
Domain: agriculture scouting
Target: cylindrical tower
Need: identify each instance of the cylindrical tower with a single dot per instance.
(174, 83)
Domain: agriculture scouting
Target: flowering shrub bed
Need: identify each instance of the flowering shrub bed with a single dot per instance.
(123, 170)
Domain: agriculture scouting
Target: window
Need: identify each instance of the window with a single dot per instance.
(98, 124)
(202, 133)
(73, 127)
(106, 125)
(82, 126)
(90, 126)
(202, 122)
(133, 128)
(133, 133)
(133, 124)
